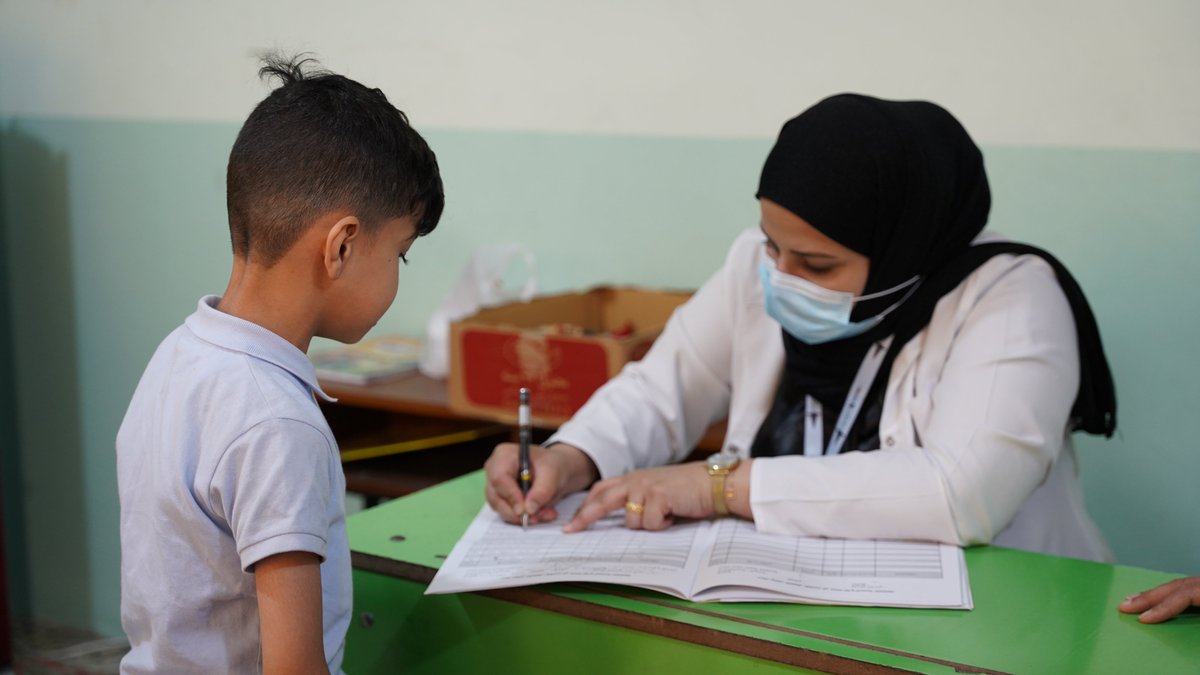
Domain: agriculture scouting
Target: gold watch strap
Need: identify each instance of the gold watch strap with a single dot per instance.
(719, 493)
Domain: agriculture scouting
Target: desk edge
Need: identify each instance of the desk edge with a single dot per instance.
(708, 637)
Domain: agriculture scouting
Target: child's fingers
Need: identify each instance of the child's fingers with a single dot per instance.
(1170, 606)
(1164, 601)
(1135, 603)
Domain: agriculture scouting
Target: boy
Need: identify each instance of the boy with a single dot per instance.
(233, 538)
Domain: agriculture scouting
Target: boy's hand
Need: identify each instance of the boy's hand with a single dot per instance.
(1164, 601)
(290, 614)
(558, 471)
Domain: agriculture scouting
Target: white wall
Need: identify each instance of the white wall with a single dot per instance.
(1089, 73)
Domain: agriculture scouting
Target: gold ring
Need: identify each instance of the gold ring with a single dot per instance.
(634, 507)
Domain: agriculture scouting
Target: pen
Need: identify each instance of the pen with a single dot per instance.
(524, 474)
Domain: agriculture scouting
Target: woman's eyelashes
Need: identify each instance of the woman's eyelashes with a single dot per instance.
(403, 259)
(817, 268)
(814, 264)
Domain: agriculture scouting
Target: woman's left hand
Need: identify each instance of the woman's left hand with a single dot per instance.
(652, 498)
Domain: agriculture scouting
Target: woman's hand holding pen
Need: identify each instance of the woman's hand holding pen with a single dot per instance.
(558, 471)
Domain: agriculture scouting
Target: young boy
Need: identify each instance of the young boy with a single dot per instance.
(233, 537)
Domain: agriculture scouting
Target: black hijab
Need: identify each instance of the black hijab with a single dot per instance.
(902, 183)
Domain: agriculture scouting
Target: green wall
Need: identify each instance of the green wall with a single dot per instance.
(10, 461)
(112, 231)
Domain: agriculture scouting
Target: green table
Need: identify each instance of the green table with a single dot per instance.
(1033, 614)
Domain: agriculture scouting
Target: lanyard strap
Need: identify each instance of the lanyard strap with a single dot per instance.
(814, 425)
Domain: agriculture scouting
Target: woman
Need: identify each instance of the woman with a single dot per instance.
(924, 384)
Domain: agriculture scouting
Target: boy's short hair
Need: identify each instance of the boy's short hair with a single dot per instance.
(318, 143)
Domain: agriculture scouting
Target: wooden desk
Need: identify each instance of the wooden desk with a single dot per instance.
(414, 395)
(1033, 614)
(418, 407)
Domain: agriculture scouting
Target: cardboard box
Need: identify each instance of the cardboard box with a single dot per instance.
(560, 347)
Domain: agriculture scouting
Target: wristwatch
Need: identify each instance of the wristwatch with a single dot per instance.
(721, 465)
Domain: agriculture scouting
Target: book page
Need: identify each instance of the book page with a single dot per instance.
(495, 554)
(746, 565)
(726, 560)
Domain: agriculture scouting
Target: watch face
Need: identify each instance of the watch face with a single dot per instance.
(722, 460)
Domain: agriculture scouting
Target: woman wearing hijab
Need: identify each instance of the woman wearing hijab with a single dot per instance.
(887, 369)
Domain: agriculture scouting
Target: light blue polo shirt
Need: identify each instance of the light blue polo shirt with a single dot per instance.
(223, 459)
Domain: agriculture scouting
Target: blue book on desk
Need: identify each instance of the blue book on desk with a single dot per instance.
(369, 362)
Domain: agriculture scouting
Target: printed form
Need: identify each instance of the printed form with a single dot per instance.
(724, 560)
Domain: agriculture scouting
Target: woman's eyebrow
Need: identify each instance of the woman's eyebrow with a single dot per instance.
(802, 254)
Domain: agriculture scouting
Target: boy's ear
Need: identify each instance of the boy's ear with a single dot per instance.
(340, 243)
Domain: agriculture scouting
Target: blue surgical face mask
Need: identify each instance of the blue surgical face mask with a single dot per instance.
(814, 314)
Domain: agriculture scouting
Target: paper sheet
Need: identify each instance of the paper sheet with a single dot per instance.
(495, 554)
(746, 565)
(706, 560)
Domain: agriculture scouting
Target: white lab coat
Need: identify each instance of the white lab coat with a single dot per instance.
(974, 421)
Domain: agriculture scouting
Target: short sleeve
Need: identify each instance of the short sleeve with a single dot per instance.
(274, 487)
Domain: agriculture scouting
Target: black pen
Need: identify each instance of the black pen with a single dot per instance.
(524, 473)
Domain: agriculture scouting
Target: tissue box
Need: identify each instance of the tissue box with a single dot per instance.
(560, 347)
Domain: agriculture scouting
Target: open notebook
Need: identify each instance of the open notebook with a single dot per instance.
(725, 560)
